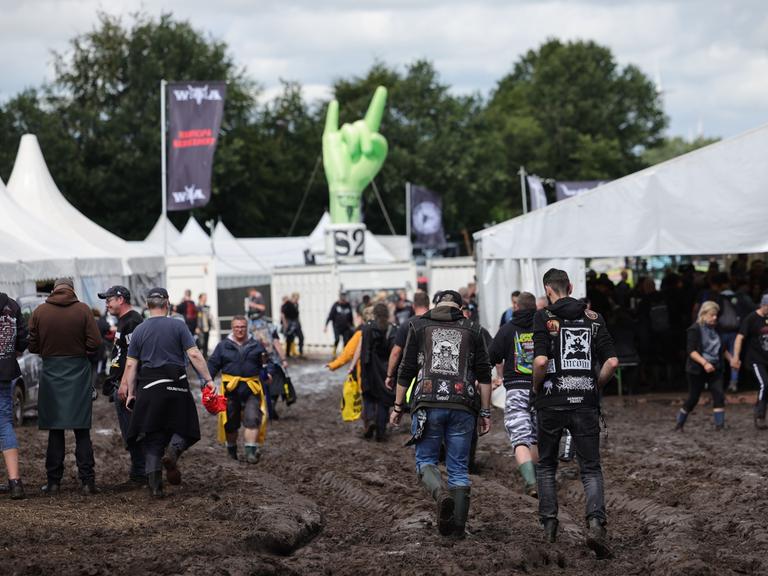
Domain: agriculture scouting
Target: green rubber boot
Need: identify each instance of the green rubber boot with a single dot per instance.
(461, 501)
(433, 484)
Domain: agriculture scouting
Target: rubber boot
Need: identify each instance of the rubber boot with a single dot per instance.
(682, 416)
(597, 539)
(155, 480)
(252, 454)
(170, 463)
(232, 451)
(550, 529)
(430, 479)
(461, 501)
(719, 417)
(16, 489)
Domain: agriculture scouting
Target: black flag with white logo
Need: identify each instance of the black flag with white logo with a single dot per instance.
(195, 110)
(427, 218)
(567, 190)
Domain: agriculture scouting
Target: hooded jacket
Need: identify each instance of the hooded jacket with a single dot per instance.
(576, 342)
(513, 345)
(63, 326)
(447, 355)
(13, 337)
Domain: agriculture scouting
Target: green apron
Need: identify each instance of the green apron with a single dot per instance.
(64, 399)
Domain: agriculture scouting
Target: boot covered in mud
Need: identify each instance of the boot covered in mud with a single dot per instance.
(597, 538)
(252, 453)
(461, 502)
(550, 529)
(232, 451)
(433, 484)
(682, 416)
(155, 481)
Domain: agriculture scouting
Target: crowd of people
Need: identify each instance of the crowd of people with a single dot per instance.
(429, 358)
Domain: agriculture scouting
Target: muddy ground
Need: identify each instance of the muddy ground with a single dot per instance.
(324, 501)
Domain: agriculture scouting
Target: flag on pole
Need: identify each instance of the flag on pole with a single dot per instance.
(196, 110)
(427, 217)
(538, 195)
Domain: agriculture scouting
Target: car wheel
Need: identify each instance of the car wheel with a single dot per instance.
(18, 405)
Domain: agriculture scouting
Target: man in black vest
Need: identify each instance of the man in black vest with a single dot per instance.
(447, 355)
(570, 343)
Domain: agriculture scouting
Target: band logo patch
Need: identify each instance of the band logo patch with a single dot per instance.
(553, 327)
(575, 384)
(427, 386)
(458, 388)
(576, 349)
(443, 391)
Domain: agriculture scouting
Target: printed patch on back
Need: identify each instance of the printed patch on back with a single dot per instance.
(446, 347)
(576, 348)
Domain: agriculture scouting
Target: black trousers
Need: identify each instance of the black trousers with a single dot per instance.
(54, 457)
(696, 383)
(296, 333)
(760, 372)
(343, 334)
(584, 425)
(155, 443)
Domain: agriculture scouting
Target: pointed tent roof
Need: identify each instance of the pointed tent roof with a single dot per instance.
(235, 266)
(193, 240)
(155, 235)
(375, 252)
(33, 188)
(43, 256)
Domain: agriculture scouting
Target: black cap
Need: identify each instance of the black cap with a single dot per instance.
(449, 296)
(157, 293)
(116, 291)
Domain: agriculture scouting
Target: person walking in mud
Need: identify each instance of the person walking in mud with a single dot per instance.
(704, 365)
(753, 334)
(377, 339)
(570, 342)
(118, 300)
(447, 355)
(13, 341)
(243, 362)
(64, 332)
(513, 346)
(164, 418)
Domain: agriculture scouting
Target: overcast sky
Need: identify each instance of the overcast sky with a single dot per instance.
(711, 56)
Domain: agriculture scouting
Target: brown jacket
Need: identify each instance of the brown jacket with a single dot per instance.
(63, 326)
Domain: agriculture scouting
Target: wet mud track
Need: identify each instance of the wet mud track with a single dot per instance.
(324, 501)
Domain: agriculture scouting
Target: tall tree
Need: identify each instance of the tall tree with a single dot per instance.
(569, 111)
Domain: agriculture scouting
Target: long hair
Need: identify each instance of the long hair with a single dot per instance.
(381, 316)
(706, 308)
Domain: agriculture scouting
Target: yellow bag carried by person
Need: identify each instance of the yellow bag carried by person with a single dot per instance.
(351, 399)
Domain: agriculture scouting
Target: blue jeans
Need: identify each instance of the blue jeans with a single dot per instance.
(7, 435)
(454, 428)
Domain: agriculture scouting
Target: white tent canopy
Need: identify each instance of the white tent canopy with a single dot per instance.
(235, 266)
(193, 240)
(34, 190)
(156, 237)
(711, 201)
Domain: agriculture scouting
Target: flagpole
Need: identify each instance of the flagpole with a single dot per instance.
(522, 189)
(164, 184)
(408, 211)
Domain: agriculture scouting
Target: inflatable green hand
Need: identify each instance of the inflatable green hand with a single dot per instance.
(352, 157)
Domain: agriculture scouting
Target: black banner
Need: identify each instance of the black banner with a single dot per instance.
(427, 218)
(570, 189)
(195, 110)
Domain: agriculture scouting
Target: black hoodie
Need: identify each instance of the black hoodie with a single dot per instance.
(513, 345)
(576, 342)
(13, 337)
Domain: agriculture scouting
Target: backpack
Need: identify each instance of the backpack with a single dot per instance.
(729, 320)
(659, 317)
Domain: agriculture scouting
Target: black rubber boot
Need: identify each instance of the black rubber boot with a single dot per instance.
(433, 484)
(461, 502)
(597, 538)
(155, 480)
(232, 451)
(550, 529)
(16, 489)
(51, 489)
(89, 488)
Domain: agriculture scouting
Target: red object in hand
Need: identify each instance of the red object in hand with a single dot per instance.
(213, 402)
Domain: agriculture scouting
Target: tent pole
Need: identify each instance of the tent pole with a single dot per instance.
(408, 211)
(163, 170)
(522, 189)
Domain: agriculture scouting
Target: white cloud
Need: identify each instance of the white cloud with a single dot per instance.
(712, 56)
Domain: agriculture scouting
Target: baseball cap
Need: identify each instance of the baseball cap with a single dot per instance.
(764, 300)
(157, 293)
(116, 291)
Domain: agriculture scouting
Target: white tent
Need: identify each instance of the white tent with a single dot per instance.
(156, 237)
(235, 266)
(42, 256)
(711, 201)
(33, 188)
(193, 240)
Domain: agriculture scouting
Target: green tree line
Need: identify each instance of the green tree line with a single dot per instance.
(565, 111)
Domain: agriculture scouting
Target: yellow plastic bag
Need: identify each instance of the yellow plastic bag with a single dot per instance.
(351, 399)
